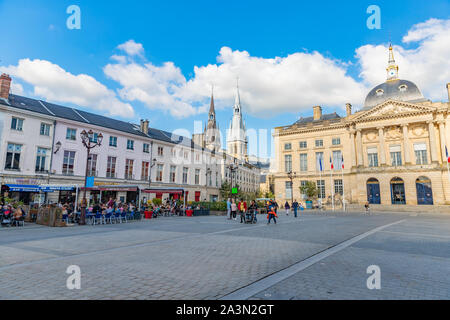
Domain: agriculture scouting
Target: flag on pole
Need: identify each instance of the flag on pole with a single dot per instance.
(320, 164)
(446, 153)
(331, 163)
(342, 160)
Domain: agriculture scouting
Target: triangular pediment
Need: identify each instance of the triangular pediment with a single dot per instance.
(392, 108)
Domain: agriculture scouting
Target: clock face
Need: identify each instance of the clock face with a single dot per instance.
(392, 73)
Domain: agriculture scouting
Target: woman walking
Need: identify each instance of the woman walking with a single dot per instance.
(287, 207)
(233, 209)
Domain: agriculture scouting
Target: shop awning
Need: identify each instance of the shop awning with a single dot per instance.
(23, 188)
(159, 191)
(113, 188)
(52, 188)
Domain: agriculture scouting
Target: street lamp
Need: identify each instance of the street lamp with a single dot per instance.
(232, 167)
(291, 176)
(88, 143)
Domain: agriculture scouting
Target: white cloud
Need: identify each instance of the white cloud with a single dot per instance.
(16, 88)
(120, 59)
(427, 65)
(53, 83)
(132, 48)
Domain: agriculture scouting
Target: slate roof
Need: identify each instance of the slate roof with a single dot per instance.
(325, 117)
(54, 110)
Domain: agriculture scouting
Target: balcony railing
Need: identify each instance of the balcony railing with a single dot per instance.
(144, 178)
(111, 175)
(129, 176)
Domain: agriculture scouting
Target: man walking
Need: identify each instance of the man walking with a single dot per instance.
(295, 207)
(229, 209)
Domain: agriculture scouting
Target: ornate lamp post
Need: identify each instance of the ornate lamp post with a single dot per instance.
(233, 168)
(86, 138)
(291, 176)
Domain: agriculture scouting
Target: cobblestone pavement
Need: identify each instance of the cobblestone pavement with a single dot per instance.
(211, 257)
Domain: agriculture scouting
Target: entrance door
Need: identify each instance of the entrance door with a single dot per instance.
(197, 196)
(424, 191)
(398, 191)
(373, 191)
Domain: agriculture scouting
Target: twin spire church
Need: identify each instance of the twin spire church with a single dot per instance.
(237, 142)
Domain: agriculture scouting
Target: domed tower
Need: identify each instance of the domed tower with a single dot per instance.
(394, 88)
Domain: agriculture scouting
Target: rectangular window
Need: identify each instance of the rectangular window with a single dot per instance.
(45, 129)
(146, 148)
(160, 151)
(396, 155)
(173, 171)
(372, 155)
(93, 137)
(319, 161)
(185, 175)
(13, 156)
(420, 150)
(321, 189)
(303, 145)
(337, 160)
(159, 172)
(68, 163)
(145, 170)
(71, 134)
(111, 167)
(92, 165)
(41, 160)
(130, 144)
(288, 163)
(197, 176)
(338, 187)
(336, 141)
(288, 190)
(303, 162)
(112, 141)
(287, 146)
(17, 124)
(129, 164)
(319, 143)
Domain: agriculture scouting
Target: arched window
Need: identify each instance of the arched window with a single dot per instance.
(424, 191)
(398, 191)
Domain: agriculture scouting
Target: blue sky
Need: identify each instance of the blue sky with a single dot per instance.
(321, 39)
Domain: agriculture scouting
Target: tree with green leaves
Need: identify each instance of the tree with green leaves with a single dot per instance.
(309, 189)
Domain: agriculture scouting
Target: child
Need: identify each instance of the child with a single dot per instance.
(272, 215)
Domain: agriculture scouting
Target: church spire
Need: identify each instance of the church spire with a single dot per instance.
(211, 107)
(237, 100)
(392, 69)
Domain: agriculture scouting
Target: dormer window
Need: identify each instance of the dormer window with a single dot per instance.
(403, 88)
(380, 92)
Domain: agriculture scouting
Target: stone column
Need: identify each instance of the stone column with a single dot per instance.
(359, 148)
(432, 134)
(353, 148)
(406, 146)
(443, 140)
(382, 146)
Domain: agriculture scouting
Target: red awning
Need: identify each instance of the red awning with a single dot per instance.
(162, 191)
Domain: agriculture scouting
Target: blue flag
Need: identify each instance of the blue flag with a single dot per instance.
(320, 163)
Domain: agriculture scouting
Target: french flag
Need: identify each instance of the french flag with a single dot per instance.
(446, 153)
(332, 165)
(342, 162)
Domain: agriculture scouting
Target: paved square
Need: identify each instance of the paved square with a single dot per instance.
(316, 256)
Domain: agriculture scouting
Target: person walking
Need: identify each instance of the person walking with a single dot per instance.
(233, 209)
(229, 209)
(272, 215)
(295, 207)
(242, 210)
(287, 207)
(367, 206)
(253, 209)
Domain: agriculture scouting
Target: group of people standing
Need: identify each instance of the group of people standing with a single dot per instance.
(233, 208)
(295, 207)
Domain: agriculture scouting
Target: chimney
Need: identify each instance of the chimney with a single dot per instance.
(348, 107)
(448, 91)
(317, 113)
(142, 125)
(145, 126)
(5, 85)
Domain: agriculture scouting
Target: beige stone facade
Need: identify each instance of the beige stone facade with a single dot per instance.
(397, 145)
